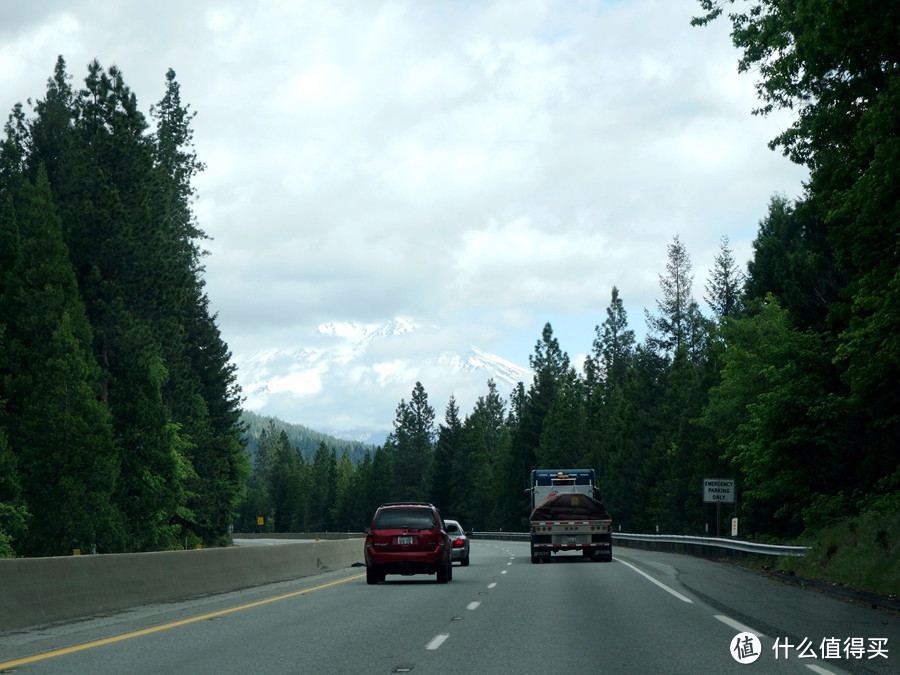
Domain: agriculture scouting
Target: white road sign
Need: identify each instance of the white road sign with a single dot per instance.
(719, 490)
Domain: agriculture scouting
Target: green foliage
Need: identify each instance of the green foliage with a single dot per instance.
(725, 286)
(671, 327)
(303, 438)
(793, 261)
(484, 441)
(60, 435)
(444, 481)
(832, 260)
(13, 514)
(774, 419)
(860, 551)
(122, 429)
(412, 440)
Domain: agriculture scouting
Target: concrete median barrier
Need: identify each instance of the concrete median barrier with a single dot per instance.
(35, 591)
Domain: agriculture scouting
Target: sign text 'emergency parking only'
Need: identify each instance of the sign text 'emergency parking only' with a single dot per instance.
(719, 490)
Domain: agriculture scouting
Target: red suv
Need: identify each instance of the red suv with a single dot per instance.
(407, 538)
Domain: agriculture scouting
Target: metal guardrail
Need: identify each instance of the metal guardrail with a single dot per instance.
(675, 542)
(685, 541)
(707, 546)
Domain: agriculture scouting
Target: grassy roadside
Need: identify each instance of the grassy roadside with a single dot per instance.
(861, 552)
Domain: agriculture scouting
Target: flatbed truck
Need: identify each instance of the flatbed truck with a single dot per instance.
(567, 515)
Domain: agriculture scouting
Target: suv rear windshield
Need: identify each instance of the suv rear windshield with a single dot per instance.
(413, 519)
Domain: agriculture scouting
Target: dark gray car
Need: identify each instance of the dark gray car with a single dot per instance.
(459, 550)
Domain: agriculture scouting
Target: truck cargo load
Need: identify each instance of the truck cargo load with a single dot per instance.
(569, 506)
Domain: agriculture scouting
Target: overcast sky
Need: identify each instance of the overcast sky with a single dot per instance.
(482, 166)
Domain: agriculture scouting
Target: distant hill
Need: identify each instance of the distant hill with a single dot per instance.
(301, 437)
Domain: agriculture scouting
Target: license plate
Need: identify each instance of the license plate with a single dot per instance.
(404, 540)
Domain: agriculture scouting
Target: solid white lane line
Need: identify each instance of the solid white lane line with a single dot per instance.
(658, 583)
(738, 626)
(473, 605)
(437, 641)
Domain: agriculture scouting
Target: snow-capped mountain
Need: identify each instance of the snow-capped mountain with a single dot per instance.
(347, 378)
(505, 373)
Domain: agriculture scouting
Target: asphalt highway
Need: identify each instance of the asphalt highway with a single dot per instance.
(644, 612)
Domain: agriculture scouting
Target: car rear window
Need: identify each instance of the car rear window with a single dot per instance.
(388, 519)
(451, 527)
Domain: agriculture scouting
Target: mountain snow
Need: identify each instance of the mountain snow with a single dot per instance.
(347, 378)
(504, 373)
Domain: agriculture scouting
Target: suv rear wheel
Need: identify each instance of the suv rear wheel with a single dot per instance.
(445, 574)
(373, 576)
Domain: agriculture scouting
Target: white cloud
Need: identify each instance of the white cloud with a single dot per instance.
(487, 166)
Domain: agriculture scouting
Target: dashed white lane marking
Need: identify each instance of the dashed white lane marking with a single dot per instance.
(738, 626)
(818, 669)
(437, 641)
(492, 584)
(503, 572)
(658, 583)
(473, 605)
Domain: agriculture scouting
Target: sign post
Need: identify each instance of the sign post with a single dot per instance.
(718, 491)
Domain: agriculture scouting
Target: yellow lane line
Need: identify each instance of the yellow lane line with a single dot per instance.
(167, 626)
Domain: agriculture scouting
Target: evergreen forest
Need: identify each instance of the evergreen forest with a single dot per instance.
(120, 417)
(119, 411)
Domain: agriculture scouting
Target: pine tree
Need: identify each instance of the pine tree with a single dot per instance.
(563, 440)
(608, 434)
(124, 196)
(324, 488)
(725, 285)
(60, 433)
(202, 390)
(257, 501)
(383, 481)
(413, 439)
(614, 343)
(283, 483)
(483, 440)
(13, 512)
(441, 476)
(670, 329)
(550, 365)
(346, 514)
(13, 151)
(793, 260)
